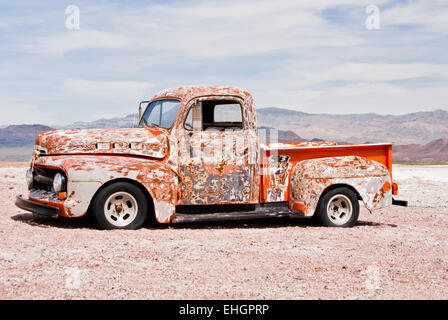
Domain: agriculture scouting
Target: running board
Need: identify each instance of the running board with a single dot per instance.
(239, 215)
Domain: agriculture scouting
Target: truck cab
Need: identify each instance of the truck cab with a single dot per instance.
(196, 155)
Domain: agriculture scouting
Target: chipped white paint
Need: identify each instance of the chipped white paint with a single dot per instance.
(310, 178)
(180, 167)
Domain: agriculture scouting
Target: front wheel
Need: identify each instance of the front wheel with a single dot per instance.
(338, 208)
(121, 205)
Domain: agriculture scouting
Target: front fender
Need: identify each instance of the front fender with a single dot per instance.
(310, 178)
(87, 174)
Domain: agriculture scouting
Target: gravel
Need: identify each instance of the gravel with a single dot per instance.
(394, 253)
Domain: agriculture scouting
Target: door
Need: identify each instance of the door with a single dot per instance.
(218, 153)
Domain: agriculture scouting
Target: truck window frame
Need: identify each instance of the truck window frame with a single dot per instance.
(227, 99)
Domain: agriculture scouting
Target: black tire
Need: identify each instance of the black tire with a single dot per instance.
(343, 211)
(126, 203)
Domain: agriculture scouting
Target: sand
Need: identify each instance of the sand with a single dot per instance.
(394, 253)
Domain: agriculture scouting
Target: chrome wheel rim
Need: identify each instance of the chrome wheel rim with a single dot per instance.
(120, 209)
(339, 209)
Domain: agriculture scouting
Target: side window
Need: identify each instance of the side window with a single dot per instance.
(222, 115)
(161, 113)
(228, 113)
(215, 115)
(152, 116)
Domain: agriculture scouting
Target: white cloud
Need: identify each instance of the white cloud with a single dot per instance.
(352, 87)
(15, 111)
(103, 99)
(205, 29)
(218, 29)
(362, 97)
(73, 40)
(288, 54)
(6, 23)
(429, 15)
(375, 72)
(285, 97)
(110, 90)
(383, 98)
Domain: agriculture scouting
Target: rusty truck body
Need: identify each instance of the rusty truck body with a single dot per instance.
(196, 154)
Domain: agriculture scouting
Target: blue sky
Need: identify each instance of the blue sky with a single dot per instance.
(312, 56)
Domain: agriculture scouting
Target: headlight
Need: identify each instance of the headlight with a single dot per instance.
(29, 177)
(59, 182)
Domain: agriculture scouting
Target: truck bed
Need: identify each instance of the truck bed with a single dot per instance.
(278, 159)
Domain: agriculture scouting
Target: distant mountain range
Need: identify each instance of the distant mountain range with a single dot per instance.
(411, 128)
(128, 121)
(432, 152)
(20, 135)
(418, 137)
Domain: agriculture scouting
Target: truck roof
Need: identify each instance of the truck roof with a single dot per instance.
(186, 93)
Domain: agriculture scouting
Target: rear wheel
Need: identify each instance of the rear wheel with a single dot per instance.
(121, 205)
(338, 207)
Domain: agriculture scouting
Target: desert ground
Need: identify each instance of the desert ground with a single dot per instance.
(394, 253)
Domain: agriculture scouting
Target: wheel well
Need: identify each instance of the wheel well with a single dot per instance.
(151, 213)
(334, 186)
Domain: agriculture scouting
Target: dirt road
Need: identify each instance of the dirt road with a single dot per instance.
(395, 253)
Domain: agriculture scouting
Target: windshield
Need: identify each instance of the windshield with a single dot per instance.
(161, 113)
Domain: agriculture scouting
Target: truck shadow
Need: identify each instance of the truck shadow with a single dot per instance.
(48, 222)
(261, 224)
(85, 223)
(266, 223)
(375, 224)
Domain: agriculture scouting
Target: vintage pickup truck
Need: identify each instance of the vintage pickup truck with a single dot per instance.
(196, 155)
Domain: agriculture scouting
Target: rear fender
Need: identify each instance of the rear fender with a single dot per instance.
(311, 178)
(87, 174)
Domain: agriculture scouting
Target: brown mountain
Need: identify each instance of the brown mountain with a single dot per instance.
(411, 128)
(265, 135)
(20, 135)
(432, 152)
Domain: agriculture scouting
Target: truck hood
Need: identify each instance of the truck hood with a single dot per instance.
(150, 141)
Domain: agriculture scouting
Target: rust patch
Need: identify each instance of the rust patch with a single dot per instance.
(279, 168)
(182, 167)
(309, 178)
(151, 142)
